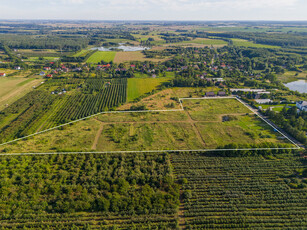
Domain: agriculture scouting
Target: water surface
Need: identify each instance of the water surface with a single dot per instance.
(300, 86)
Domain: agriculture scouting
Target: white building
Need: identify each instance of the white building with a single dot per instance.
(302, 105)
(263, 101)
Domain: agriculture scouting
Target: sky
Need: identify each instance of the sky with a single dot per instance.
(279, 10)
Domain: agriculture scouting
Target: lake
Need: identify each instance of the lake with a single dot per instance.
(123, 48)
(300, 86)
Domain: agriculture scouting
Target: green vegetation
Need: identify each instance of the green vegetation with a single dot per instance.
(139, 86)
(242, 192)
(105, 56)
(213, 109)
(52, 105)
(148, 136)
(242, 42)
(244, 129)
(97, 190)
(252, 178)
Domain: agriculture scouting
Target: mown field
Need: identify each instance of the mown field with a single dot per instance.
(13, 88)
(140, 86)
(121, 57)
(242, 192)
(106, 56)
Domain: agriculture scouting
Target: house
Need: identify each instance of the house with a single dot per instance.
(65, 69)
(17, 68)
(210, 94)
(221, 93)
(49, 75)
(302, 105)
(47, 68)
(42, 73)
(132, 66)
(2, 74)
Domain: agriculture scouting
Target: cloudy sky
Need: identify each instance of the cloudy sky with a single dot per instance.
(155, 9)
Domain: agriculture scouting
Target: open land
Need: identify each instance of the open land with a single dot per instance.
(204, 124)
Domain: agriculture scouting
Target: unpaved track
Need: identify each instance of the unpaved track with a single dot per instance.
(94, 146)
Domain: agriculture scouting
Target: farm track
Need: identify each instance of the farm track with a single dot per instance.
(94, 146)
(199, 136)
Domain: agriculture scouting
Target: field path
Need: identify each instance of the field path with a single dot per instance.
(94, 146)
(192, 122)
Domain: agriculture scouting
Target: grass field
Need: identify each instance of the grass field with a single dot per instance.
(77, 137)
(121, 57)
(213, 109)
(290, 76)
(242, 42)
(148, 136)
(106, 56)
(192, 128)
(206, 41)
(140, 86)
(13, 88)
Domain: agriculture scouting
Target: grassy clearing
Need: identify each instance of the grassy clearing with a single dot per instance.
(206, 41)
(194, 92)
(242, 42)
(156, 136)
(140, 86)
(77, 137)
(290, 76)
(142, 117)
(81, 53)
(244, 129)
(164, 99)
(213, 109)
(106, 56)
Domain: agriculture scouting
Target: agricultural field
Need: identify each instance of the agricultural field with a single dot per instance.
(122, 57)
(13, 88)
(97, 191)
(252, 192)
(106, 56)
(60, 101)
(205, 42)
(191, 129)
(242, 42)
(140, 86)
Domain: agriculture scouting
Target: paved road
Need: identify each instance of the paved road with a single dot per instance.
(256, 111)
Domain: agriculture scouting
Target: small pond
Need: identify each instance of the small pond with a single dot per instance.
(123, 47)
(300, 86)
